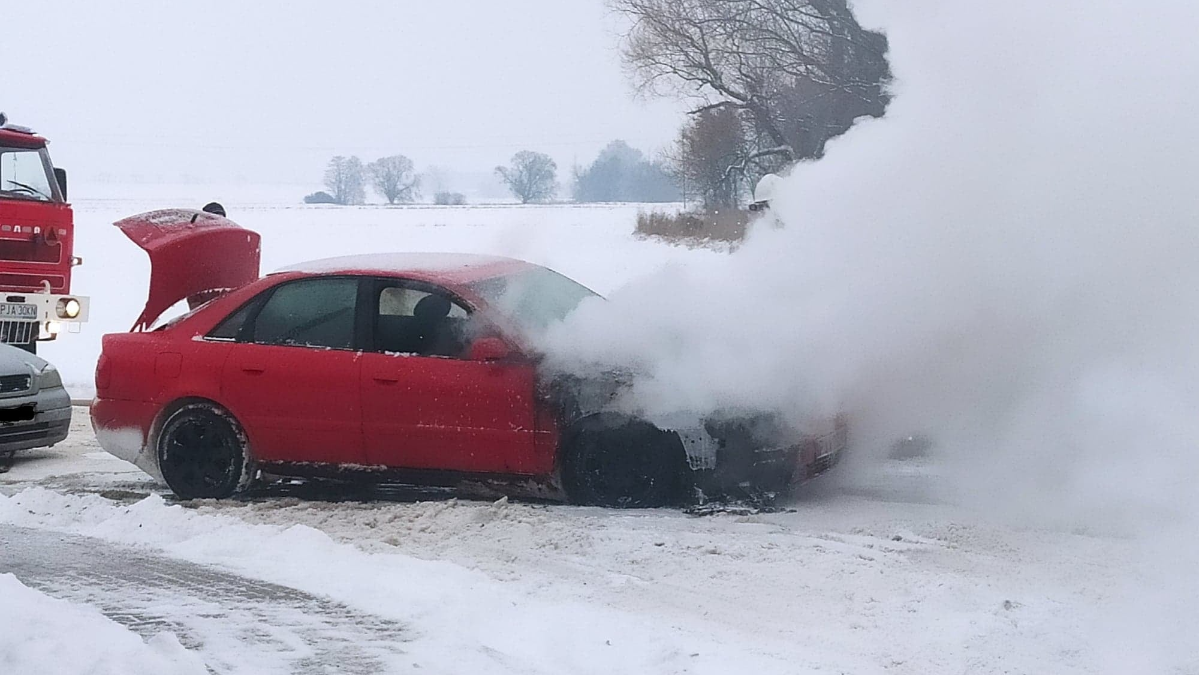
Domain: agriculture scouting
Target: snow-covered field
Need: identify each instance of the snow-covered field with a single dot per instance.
(864, 574)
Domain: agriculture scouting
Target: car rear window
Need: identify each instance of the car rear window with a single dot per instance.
(231, 327)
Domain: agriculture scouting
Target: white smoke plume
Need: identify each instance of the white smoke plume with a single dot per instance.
(1006, 261)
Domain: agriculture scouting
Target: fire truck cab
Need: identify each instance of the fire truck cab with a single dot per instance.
(37, 241)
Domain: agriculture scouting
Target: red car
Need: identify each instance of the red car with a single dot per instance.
(415, 368)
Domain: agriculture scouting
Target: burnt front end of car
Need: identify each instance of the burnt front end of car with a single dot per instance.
(731, 454)
(758, 456)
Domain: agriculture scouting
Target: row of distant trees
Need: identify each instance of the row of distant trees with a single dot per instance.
(346, 179)
(530, 177)
(623, 174)
(619, 174)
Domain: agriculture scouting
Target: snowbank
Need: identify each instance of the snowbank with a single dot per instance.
(40, 634)
(465, 621)
(842, 585)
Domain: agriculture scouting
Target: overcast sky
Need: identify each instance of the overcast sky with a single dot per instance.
(267, 91)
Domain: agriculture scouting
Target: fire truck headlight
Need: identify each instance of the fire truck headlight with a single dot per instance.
(53, 327)
(68, 308)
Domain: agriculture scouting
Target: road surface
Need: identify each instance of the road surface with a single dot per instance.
(240, 624)
(878, 571)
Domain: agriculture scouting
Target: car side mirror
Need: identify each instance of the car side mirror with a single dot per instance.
(60, 175)
(489, 349)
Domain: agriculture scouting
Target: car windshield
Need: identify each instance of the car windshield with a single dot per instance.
(535, 298)
(24, 174)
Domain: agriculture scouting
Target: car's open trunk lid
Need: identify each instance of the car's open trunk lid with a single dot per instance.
(193, 256)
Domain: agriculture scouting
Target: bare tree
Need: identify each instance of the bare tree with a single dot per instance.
(394, 178)
(710, 142)
(622, 174)
(344, 178)
(530, 176)
(798, 72)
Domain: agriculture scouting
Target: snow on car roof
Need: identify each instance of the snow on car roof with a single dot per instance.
(457, 267)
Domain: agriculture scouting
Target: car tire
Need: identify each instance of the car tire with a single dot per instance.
(623, 463)
(203, 454)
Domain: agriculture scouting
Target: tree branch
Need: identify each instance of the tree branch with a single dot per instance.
(782, 150)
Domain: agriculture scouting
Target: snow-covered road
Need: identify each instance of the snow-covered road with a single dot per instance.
(239, 624)
(870, 572)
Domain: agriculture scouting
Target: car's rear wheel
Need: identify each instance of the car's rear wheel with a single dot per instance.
(623, 463)
(202, 453)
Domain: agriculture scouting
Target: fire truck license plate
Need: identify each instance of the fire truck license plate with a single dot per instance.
(13, 310)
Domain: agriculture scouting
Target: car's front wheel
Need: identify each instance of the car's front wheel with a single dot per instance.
(623, 463)
(202, 453)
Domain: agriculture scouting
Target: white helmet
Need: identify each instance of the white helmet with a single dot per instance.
(766, 188)
(764, 192)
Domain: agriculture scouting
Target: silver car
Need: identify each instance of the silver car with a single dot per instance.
(35, 410)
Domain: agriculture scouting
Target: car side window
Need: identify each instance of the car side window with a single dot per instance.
(310, 313)
(416, 321)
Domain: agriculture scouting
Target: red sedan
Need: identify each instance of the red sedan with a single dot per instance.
(413, 368)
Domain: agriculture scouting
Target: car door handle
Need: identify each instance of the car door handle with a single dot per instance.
(386, 380)
(253, 370)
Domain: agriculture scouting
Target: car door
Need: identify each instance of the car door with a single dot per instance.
(427, 404)
(293, 378)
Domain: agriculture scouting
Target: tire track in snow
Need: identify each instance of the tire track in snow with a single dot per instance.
(236, 624)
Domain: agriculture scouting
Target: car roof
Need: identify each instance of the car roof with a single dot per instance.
(450, 269)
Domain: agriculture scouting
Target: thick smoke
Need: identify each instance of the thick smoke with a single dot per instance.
(1007, 262)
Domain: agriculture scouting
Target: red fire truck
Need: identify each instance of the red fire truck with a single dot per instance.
(37, 241)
